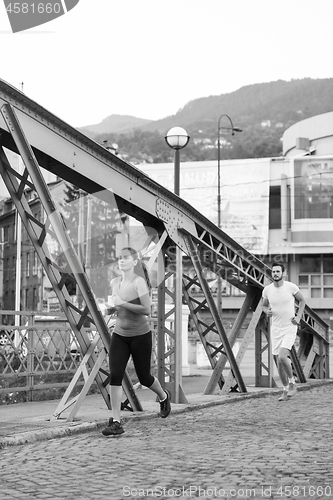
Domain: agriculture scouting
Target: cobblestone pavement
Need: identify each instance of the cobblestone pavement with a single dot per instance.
(255, 448)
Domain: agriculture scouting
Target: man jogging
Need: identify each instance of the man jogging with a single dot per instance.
(279, 304)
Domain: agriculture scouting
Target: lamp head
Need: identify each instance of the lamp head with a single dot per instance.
(177, 138)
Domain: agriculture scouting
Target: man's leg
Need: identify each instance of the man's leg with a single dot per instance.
(283, 377)
(284, 366)
(285, 371)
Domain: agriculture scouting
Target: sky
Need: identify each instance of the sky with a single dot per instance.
(148, 58)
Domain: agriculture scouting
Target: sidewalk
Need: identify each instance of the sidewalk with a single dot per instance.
(29, 422)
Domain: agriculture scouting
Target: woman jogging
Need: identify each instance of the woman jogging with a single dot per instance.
(131, 293)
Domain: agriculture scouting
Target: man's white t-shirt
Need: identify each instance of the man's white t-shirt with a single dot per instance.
(282, 301)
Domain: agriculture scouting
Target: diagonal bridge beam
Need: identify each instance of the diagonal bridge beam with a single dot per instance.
(37, 233)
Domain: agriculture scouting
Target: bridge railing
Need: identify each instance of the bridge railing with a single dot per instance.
(37, 362)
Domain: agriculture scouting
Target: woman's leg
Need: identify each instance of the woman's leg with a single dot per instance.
(116, 393)
(141, 348)
(118, 357)
(157, 388)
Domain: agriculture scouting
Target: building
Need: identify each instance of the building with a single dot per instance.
(36, 292)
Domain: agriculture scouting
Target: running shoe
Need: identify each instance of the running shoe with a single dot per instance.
(113, 429)
(292, 390)
(165, 406)
(284, 396)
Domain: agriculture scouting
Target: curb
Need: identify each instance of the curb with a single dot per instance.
(79, 428)
(46, 434)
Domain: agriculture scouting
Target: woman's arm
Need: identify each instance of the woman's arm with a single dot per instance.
(143, 294)
(111, 309)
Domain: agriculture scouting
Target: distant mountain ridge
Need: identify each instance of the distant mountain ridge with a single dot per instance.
(280, 101)
(263, 111)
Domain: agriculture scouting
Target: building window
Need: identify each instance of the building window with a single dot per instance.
(34, 299)
(35, 265)
(313, 189)
(27, 267)
(14, 267)
(315, 278)
(275, 207)
(7, 269)
(288, 207)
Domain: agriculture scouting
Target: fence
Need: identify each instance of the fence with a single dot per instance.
(39, 359)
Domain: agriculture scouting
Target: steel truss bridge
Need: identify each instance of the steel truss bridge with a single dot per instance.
(43, 141)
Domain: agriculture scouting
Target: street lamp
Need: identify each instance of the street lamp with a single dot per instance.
(177, 138)
(233, 130)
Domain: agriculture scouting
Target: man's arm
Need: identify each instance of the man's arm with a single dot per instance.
(266, 307)
(301, 305)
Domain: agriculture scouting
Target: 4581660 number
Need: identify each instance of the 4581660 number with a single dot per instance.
(34, 8)
(305, 491)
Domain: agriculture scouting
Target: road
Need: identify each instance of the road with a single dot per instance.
(254, 448)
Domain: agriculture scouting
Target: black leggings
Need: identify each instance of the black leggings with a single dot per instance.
(140, 347)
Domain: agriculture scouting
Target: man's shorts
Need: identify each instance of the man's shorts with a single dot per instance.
(283, 338)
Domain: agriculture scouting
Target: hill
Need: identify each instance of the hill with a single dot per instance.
(114, 124)
(279, 102)
(263, 111)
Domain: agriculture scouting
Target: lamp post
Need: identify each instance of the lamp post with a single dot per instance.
(233, 130)
(177, 138)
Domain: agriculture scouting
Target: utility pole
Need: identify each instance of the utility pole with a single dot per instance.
(80, 242)
(18, 227)
(88, 236)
